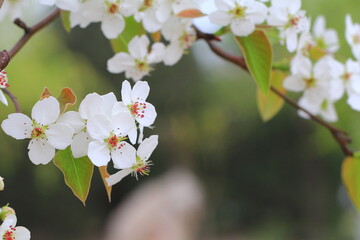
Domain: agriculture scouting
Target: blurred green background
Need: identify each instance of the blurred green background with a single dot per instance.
(275, 180)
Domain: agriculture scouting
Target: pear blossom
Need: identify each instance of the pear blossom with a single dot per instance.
(3, 84)
(69, 5)
(137, 63)
(287, 16)
(44, 133)
(8, 231)
(91, 105)
(325, 38)
(137, 162)
(181, 5)
(321, 85)
(352, 34)
(134, 102)
(181, 35)
(242, 15)
(109, 135)
(110, 13)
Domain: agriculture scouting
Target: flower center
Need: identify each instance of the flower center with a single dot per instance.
(142, 66)
(187, 39)
(115, 141)
(239, 12)
(310, 82)
(9, 234)
(38, 131)
(356, 39)
(294, 21)
(346, 76)
(141, 167)
(137, 109)
(113, 8)
(3, 80)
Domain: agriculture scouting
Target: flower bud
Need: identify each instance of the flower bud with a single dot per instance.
(2, 184)
(6, 211)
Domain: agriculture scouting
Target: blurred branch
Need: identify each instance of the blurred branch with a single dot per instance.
(6, 56)
(1, 3)
(13, 99)
(339, 135)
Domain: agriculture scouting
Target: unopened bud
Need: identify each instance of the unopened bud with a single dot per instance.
(6, 211)
(2, 184)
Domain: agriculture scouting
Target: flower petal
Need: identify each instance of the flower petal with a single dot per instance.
(99, 127)
(18, 126)
(140, 91)
(46, 111)
(60, 135)
(126, 93)
(91, 105)
(148, 116)
(147, 147)
(99, 153)
(40, 151)
(117, 177)
(80, 144)
(22, 233)
(72, 119)
(124, 156)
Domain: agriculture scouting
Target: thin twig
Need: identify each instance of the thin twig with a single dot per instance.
(5, 56)
(339, 135)
(13, 99)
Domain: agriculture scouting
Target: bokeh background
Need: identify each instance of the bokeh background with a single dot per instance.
(275, 180)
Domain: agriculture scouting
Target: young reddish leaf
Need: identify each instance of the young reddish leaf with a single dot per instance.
(45, 94)
(257, 51)
(67, 97)
(190, 13)
(65, 19)
(77, 172)
(105, 174)
(269, 104)
(132, 29)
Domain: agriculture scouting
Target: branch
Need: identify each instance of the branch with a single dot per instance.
(6, 56)
(339, 135)
(13, 99)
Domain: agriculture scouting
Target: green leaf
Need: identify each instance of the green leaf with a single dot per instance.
(132, 29)
(65, 19)
(269, 104)
(257, 51)
(77, 172)
(351, 178)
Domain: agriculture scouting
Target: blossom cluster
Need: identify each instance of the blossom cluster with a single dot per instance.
(103, 129)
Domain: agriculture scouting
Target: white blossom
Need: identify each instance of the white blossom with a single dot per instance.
(13, 9)
(137, 63)
(44, 133)
(290, 19)
(242, 15)
(352, 34)
(69, 5)
(2, 184)
(135, 163)
(9, 231)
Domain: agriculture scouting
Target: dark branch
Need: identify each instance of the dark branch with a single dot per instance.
(339, 135)
(13, 99)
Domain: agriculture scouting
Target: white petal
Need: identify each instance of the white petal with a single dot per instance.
(40, 151)
(157, 53)
(69, 5)
(140, 91)
(99, 127)
(117, 177)
(99, 153)
(112, 25)
(3, 98)
(294, 83)
(147, 147)
(220, 18)
(138, 47)
(80, 144)
(242, 27)
(59, 135)
(91, 105)
(124, 156)
(22, 233)
(173, 53)
(109, 100)
(354, 102)
(18, 126)
(73, 119)
(291, 40)
(120, 62)
(126, 93)
(122, 123)
(46, 111)
(132, 134)
(148, 117)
